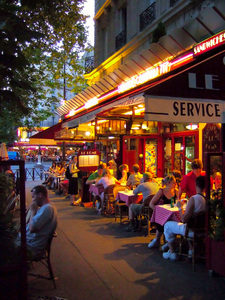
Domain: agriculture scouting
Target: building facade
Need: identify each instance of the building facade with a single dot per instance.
(143, 51)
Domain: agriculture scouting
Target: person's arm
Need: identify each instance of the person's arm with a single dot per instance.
(33, 211)
(185, 216)
(128, 181)
(73, 169)
(91, 180)
(100, 182)
(156, 198)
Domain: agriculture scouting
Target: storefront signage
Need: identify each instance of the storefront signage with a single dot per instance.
(183, 110)
(144, 77)
(210, 43)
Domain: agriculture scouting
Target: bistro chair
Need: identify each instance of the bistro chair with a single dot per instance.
(146, 214)
(194, 238)
(45, 260)
(109, 200)
(120, 206)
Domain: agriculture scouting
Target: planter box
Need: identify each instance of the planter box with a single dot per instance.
(215, 256)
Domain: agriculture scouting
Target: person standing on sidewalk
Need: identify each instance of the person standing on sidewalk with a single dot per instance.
(73, 181)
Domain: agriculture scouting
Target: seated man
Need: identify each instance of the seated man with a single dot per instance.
(196, 204)
(147, 188)
(43, 220)
(134, 179)
(94, 177)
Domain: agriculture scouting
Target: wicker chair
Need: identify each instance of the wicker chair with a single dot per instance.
(109, 200)
(120, 206)
(146, 213)
(195, 237)
(44, 259)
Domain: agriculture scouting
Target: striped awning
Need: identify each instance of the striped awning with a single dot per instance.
(208, 22)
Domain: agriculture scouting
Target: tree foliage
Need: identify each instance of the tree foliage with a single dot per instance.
(41, 42)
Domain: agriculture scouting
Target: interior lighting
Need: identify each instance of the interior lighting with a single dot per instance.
(87, 133)
(192, 126)
(102, 121)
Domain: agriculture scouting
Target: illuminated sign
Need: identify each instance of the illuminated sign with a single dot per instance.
(210, 43)
(144, 77)
(91, 102)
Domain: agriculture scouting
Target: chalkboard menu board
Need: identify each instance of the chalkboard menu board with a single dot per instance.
(211, 138)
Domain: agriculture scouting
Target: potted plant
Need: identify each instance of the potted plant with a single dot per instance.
(216, 234)
(9, 253)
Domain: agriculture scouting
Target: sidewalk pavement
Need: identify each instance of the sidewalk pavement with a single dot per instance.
(93, 257)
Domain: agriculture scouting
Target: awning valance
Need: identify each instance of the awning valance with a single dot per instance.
(91, 115)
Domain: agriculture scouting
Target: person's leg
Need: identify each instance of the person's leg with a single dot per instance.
(131, 226)
(171, 229)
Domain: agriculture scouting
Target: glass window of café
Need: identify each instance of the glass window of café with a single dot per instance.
(180, 148)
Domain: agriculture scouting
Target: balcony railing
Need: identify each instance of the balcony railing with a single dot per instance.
(147, 16)
(89, 64)
(121, 39)
(173, 2)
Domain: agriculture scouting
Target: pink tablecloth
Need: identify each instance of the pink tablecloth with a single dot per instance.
(129, 197)
(164, 213)
(97, 190)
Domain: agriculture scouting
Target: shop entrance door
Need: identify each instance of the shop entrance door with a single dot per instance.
(145, 151)
(180, 149)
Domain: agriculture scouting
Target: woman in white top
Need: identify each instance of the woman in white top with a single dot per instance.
(196, 204)
(106, 180)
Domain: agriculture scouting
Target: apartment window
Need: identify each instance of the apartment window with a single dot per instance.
(147, 16)
(121, 38)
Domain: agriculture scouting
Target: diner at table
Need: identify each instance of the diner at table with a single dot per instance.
(124, 169)
(106, 180)
(134, 179)
(51, 172)
(163, 196)
(195, 205)
(148, 187)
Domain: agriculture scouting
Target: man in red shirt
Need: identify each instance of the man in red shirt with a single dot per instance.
(188, 182)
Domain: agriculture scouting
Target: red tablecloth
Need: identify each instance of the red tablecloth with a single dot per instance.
(129, 197)
(164, 213)
(97, 190)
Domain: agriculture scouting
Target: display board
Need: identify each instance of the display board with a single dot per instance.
(88, 160)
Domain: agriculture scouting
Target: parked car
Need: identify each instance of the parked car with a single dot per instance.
(13, 155)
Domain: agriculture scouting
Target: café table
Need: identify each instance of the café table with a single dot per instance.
(96, 189)
(164, 213)
(129, 197)
(57, 179)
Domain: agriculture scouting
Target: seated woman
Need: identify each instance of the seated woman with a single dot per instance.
(52, 170)
(163, 196)
(134, 179)
(60, 172)
(106, 180)
(124, 169)
(111, 167)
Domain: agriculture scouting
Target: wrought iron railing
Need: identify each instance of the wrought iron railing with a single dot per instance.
(33, 173)
(147, 16)
(173, 2)
(121, 39)
(89, 64)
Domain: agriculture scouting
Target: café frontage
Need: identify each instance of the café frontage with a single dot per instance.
(164, 117)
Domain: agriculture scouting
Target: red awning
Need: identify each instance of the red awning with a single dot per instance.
(48, 133)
